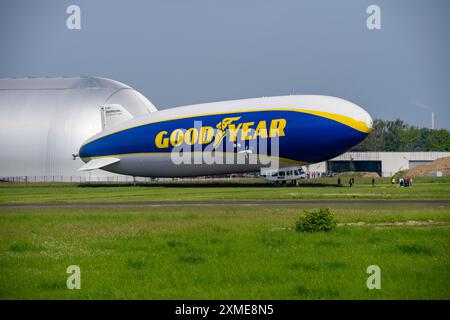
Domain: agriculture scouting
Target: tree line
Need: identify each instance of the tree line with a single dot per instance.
(399, 136)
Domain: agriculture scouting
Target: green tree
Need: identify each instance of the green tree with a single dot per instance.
(351, 165)
(398, 136)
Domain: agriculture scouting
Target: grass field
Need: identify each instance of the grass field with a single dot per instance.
(257, 189)
(223, 251)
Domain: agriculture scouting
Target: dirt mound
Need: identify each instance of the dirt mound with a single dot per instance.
(362, 174)
(422, 170)
(370, 175)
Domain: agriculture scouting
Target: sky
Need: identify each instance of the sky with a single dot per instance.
(180, 52)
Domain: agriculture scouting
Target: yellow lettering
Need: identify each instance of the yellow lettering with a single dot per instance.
(191, 136)
(206, 135)
(261, 130)
(277, 127)
(160, 141)
(176, 137)
(234, 131)
(246, 130)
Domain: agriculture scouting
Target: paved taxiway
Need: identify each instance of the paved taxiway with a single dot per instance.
(225, 202)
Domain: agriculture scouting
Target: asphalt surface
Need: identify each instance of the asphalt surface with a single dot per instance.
(224, 202)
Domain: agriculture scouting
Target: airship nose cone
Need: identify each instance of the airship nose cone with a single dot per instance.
(367, 119)
(363, 123)
(363, 120)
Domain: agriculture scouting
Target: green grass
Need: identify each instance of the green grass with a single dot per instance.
(223, 252)
(424, 188)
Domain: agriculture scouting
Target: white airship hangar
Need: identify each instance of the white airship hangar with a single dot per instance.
(45, 120)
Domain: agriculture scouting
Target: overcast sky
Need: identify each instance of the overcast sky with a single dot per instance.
(185, 51)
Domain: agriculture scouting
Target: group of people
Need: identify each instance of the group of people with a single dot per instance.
(403, 182)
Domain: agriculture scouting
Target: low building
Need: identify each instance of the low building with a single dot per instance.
(386, 164)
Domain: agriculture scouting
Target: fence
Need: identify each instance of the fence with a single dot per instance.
(72, 179)
(111, 179)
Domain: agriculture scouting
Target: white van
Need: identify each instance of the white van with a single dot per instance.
(284, 175)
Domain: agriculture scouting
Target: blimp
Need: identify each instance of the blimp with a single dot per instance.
(238, 136)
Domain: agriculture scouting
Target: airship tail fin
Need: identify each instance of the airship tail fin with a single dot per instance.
(98, 163)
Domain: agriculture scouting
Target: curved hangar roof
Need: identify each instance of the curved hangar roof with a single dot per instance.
(44, 120)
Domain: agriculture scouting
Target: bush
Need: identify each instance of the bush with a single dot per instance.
(315, 220)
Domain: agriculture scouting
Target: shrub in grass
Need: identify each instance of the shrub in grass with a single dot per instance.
(316, 220)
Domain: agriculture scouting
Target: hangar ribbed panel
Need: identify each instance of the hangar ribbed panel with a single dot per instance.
(43, 121)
